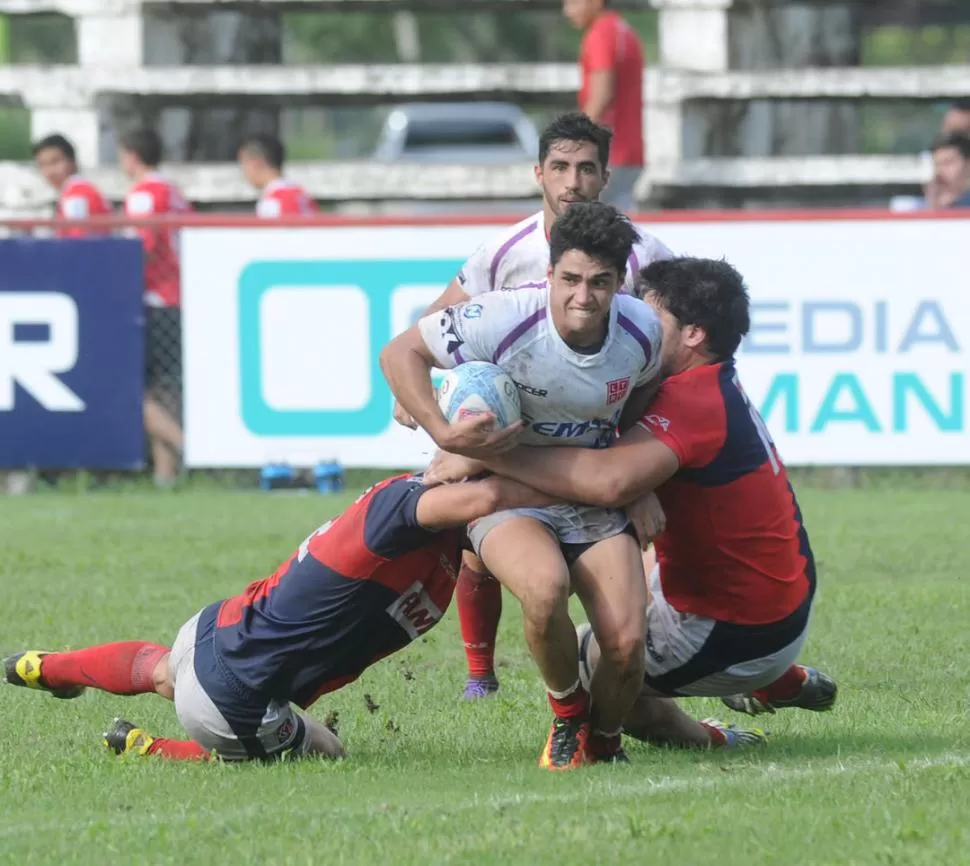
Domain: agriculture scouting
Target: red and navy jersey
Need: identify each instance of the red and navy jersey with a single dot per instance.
(735, 548)
(359, 588)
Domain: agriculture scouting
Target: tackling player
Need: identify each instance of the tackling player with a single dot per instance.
(731, 595)
(261, 162)
(572, 167)
(361, 587)
(77, 197)
(577, 353)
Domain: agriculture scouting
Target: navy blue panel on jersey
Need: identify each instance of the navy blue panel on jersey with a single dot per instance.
(391, 526)
(743, 450)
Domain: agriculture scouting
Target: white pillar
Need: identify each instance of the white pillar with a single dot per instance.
(694, 34)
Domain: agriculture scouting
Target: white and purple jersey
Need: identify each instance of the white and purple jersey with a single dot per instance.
(568, 397)
(518, 258)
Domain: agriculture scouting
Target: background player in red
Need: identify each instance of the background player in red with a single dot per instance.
(77, 197)
(153, 195)
(611, 64)
(261, 161)
(732, 592)
(359, 588)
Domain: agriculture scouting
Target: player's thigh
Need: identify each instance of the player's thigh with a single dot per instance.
(608, 578)
(524, 556)
(693, 656)
(470, 560)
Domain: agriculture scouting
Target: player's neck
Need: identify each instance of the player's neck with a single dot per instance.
(270, 178)
(586, 342)
(143, 171)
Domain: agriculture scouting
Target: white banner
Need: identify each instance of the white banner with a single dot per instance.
(858, 351)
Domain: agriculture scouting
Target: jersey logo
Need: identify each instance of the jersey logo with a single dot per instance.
(657, 421)
(305, 546)
(450, 330)
(535, 392)
(617, 390)
(472, 311)
(414, 611)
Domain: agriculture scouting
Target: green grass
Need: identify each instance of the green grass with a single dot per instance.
(883, 779)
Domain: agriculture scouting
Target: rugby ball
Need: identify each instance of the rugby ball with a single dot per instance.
(476, 387)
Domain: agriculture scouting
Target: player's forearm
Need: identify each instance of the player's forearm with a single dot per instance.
(409, 378)
(600, 95)
(450, 297)
(457, 504)
(587, 475)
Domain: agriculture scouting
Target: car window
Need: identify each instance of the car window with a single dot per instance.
(460, 132)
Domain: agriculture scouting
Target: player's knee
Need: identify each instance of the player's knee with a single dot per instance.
(162, 679)
(623, 649)
(547, 600)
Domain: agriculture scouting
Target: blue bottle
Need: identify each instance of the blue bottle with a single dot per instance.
(329, 476)
(276, 476)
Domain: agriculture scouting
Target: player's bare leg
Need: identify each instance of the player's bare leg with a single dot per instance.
(478, 597)
(657, 719)
(526, 559)
(608, 580)
(165, 437)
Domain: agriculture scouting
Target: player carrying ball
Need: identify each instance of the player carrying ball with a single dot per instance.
(730, 598)
(361, 587)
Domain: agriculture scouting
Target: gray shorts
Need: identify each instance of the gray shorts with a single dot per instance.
(282, 728)
(569, 524)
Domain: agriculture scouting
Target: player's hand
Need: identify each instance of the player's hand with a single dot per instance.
(476, 437)
(448, 468)
(648, 518)
(403, 418)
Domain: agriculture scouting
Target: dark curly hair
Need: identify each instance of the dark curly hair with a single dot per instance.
(597, 229)
(708, 293)
(576, 126)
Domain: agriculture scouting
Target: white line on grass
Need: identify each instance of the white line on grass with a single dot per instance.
(736, 776)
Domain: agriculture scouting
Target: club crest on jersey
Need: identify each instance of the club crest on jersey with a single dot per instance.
(472, 311)
(658, 421)
(617, 390)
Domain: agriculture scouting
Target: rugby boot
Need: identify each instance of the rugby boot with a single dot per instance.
(124, 738)
(566, 747)
(25, 669)
(480, 687)
(735, 737)
(818, 694)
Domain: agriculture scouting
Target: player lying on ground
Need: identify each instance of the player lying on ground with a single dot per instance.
(578, 353)
(361, 587)
(729, 601)
(572, 167)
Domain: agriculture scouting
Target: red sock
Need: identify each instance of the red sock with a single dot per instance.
(785, 688)
(123, 668)
(574, 705)
(718, 737)
(178, 750)
(479, 599)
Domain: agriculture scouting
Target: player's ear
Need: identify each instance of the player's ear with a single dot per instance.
(549, 270)
(538, 173)
(693, 336)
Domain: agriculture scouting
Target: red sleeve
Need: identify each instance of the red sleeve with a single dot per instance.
(600, 53)
(688, 417)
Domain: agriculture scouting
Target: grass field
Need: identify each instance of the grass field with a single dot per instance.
(883, 779)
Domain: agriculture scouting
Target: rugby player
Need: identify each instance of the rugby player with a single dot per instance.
(578, 353)
(573, 156)
(77, 197)
(361, 587)
(730, 597)
(261, 159)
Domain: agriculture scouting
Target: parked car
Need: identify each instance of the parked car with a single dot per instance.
(458, 133)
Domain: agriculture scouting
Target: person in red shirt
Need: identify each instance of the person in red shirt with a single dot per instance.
(261, 161)
(611, 62)
(362, 586)
(152, 195)
(77, 197)
(732, 590)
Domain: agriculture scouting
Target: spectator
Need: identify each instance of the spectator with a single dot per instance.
(950, 186)
(261, 160)
(957, 118)
(77, 198)
(611, 60)
(150, 195)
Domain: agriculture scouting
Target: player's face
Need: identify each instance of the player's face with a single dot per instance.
(581, 291)
(581, 12)
(681, 344)
(571, 173)
(128, 162)
(950, 170)
(956, 120)
(54, 166)
(251, 169)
